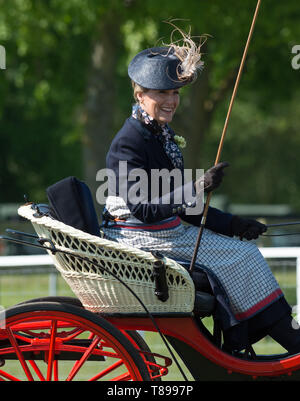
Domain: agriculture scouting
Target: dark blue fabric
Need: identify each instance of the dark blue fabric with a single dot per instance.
(156, 68)
(257, 327)
(73, 205)
(141, 149)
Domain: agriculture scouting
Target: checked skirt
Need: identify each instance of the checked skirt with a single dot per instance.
(239, 266)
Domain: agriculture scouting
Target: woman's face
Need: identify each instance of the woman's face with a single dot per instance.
(159, 104)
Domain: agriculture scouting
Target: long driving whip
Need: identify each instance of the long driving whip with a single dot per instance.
(205, 211)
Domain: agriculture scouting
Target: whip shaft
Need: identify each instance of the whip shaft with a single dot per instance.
(206, 206)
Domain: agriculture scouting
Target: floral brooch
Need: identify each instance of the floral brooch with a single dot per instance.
(180, 141)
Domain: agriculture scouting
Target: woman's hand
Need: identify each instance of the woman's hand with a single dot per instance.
(212, 178)
(246, 228)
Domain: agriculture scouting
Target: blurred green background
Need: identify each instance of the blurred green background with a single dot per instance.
(65, 92)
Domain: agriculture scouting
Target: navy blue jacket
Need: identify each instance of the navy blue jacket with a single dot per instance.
(141, 149)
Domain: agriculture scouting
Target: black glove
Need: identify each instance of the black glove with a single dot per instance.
(213, 177)
(246, 228)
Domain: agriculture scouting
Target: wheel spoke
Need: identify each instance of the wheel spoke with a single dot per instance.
(19, 354)
(37, 370)
(55, 372)
(123, 377)
(51, 350)
(107, 371)
(84, 357)
(8, 376)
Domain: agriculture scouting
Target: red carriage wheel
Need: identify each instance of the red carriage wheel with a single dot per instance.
(134, 337)
(55, 341)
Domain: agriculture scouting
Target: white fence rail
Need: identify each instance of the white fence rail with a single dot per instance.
(22, 264)
(25, 260)
(43, 264)
(287, 252)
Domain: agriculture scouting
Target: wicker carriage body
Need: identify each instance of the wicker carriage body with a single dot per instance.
(97, 289)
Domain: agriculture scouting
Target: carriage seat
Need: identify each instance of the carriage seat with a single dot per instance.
(72, 225)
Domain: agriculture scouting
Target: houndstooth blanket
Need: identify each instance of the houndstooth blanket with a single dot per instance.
(239, 266)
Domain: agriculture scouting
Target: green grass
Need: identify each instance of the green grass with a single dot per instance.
(15, 289)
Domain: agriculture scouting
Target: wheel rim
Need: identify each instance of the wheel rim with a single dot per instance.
(55, 345)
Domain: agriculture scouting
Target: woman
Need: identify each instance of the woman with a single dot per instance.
(140, 216)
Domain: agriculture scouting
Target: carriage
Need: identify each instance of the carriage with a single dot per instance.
(119, 291)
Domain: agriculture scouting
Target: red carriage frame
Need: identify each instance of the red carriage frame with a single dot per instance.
(46, 330)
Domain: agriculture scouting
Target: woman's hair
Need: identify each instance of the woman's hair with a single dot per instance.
(137, 88)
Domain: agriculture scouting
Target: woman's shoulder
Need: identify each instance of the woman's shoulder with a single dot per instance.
(132, 139)
(134, 130)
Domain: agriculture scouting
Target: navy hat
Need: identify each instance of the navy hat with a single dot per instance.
(157, 68)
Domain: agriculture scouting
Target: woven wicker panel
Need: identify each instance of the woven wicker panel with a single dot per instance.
(98, 289)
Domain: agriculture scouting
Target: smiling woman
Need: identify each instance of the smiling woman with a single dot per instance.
(250, 303)
(161, 105)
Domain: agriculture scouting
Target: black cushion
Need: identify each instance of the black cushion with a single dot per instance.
(204, 304)
(205, 301)
(72, 203)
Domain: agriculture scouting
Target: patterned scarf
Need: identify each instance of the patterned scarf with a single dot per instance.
(164, 134)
